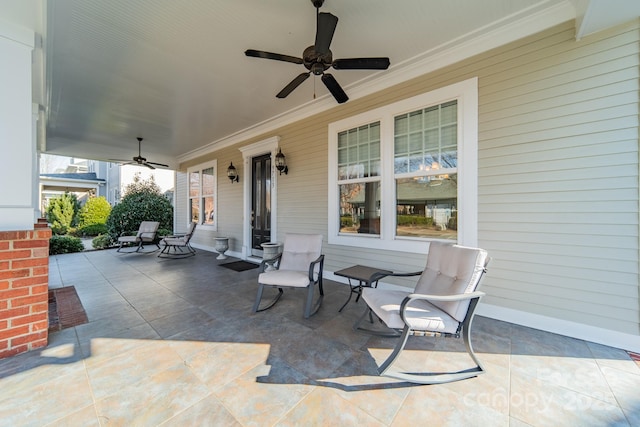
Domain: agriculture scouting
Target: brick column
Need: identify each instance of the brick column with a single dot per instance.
(24, 289)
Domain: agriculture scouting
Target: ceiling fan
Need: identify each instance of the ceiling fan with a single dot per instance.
(318, 58)
(139, 160)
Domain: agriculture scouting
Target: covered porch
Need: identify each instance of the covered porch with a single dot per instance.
(174, 342)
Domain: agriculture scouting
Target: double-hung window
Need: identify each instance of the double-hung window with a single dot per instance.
(202, 204)
(406, 173)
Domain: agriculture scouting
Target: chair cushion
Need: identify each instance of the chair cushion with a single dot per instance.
(421, 315)
(281, 277)
(450, 270)
(299, 251)
(175, 241)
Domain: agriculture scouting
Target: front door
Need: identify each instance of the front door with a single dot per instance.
(260, 202)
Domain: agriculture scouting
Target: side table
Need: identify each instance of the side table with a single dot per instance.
(366, 276)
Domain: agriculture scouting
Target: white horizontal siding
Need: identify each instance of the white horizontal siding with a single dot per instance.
(558, 178)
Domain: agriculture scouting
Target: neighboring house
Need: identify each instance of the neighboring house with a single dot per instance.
(82, 184)
(101, 179)
(541, 136)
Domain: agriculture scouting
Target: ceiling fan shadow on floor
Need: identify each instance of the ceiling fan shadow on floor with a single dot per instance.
(319, 58)
(139, 160)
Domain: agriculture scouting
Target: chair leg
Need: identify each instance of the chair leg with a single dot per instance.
(309, 306)
(256, 305)
(435, 377)
(396, 351)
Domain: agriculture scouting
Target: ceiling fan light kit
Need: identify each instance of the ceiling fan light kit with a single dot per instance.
(318, 58)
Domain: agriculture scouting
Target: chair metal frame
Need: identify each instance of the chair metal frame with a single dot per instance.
(463, 331)
(310, 307)
(176, 243)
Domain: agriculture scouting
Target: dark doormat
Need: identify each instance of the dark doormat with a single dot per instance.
(65, 309)
(240, 265)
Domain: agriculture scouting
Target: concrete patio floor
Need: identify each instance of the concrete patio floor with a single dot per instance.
(174, 343)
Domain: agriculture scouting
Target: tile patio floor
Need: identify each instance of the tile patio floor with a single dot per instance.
(174, 343)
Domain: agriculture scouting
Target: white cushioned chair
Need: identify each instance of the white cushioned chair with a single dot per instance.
(174, 245)
(146, 234)
(298, 266)
(442, 304)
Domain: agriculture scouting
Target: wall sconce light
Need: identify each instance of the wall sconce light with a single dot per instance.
(232, 173)
(281, 164)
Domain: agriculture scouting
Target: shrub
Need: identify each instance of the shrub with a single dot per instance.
(346, 221)
(62, 213)
(95, 211)
(414, 220)
(64, 245)
(103, 241)
(164, 232)
(144, 204)
(92, 230)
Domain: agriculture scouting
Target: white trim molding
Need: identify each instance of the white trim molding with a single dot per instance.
(266, 146)
(562, 327)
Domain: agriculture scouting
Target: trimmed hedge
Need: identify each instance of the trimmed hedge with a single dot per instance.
(64, 245)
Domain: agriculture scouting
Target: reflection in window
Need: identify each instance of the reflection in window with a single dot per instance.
(427, 207)
(359, 171)
(360, 208)
(202, 194)
(425, 164)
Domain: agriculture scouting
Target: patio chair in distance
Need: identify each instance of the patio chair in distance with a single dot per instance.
(173, 245)
(442, 304)
(299, 266)
(146, 234)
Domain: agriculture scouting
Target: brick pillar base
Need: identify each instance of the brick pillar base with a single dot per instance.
(24, 286)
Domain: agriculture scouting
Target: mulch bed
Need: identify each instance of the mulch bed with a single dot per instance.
(65, 309)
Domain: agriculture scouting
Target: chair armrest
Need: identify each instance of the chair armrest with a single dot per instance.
(379, 275)
(312, 266)
(454, 297)
(263, 263)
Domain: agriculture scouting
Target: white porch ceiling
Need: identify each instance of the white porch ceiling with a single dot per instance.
(175, 73)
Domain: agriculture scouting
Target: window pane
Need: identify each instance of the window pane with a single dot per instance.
(360, 208)
(194, 210)
(427, 207)
(429, 134)
(207, 202)
(359, 152)
(194, 184)
(208, 180)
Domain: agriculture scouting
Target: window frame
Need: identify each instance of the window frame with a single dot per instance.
(466, 94)
(200, 168)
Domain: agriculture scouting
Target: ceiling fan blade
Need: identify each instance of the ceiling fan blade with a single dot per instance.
(334, 88)
(157, 164)
(294, 84)
(147, 165)
(276, 56)
(324, 34)
(361, 64)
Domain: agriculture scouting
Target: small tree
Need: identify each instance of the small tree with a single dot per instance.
(140, 185)
(143, 201)
(62, 213)
(95, 211)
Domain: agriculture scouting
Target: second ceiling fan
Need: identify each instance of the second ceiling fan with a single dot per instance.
(318, 58)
